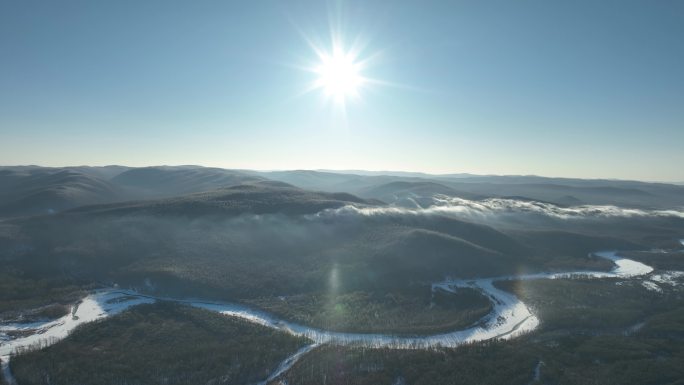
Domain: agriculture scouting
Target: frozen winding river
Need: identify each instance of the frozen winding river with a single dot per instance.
(509, 318)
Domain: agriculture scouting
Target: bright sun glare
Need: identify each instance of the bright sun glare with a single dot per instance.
(340, 70)
(339, 74)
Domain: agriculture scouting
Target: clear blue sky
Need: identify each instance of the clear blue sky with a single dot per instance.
(558, 88)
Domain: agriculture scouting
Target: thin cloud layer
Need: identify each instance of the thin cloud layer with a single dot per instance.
(497, 207)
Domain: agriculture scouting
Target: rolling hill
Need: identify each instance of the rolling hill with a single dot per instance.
(30, 191)
(266, 238)
(177, 180)
(413, 194)
(259, 197)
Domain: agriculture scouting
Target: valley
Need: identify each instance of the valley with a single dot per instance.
(509, 318)
(337, 272)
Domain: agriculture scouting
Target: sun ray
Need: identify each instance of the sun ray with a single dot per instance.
(340, 64)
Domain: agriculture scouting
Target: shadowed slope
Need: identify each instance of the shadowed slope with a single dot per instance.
(260, 197)
(25, 190)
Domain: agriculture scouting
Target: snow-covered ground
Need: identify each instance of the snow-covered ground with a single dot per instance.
(288, 362)
(95, 306)
(509, 318)
(626, 268)
(670, 278)
(652, 286)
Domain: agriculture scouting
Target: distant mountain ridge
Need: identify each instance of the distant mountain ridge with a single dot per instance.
(27, 191)
(258, 197)
(562, 191)
(32, 190)
(177, 180)
(263, 239)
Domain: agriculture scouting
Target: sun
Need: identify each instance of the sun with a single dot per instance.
(339, 74)
(340, 68)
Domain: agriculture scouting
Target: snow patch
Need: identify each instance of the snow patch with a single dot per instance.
(626, 268)
(287, 363)
(652, 286)
(93, 307)
(670, 278)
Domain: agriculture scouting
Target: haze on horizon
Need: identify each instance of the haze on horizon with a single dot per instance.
(581, 89)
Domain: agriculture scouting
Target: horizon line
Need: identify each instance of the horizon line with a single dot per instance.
(353, 171)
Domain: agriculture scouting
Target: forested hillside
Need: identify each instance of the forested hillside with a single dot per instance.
(162, 343)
